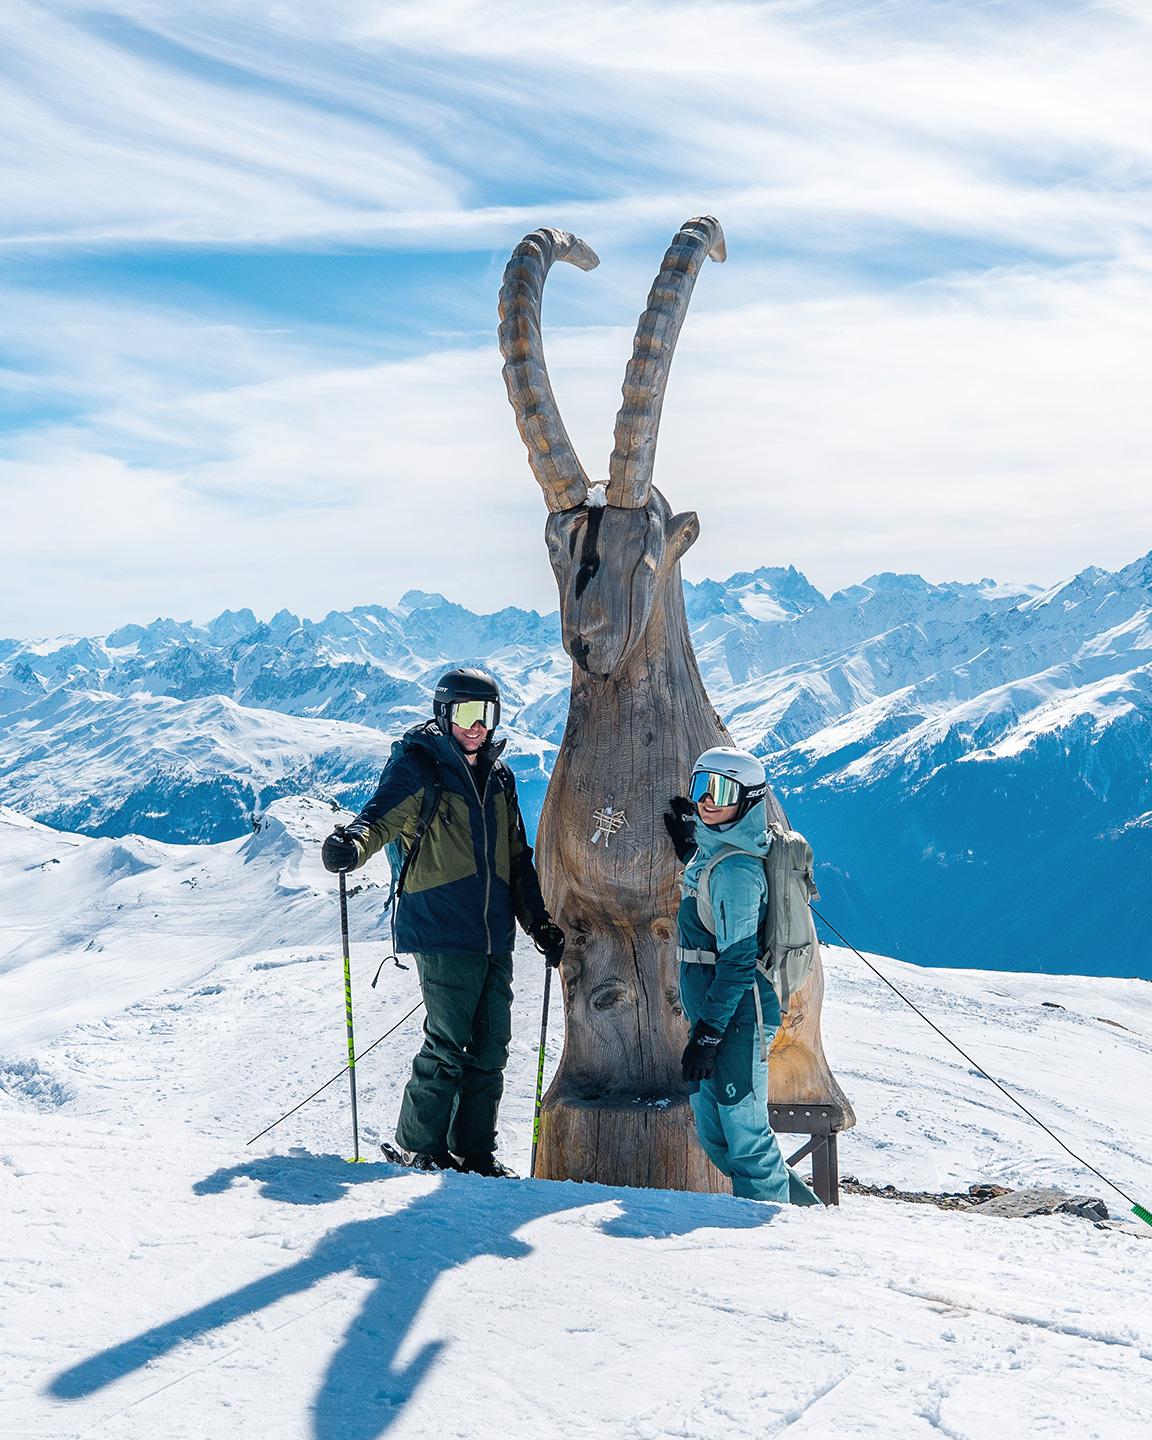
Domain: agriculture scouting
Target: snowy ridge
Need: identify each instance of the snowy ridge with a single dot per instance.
(994, 737)
(89, 922)
(163, 1278)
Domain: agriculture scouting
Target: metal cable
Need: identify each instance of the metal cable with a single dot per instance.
(1007, 1093)
(338, 1074)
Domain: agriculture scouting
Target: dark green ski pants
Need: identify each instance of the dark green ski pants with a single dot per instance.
(450, 1103)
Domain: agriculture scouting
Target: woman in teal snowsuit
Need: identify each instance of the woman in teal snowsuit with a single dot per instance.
(719, 981)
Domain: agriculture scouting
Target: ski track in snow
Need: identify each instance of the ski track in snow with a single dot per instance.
(163, 1278)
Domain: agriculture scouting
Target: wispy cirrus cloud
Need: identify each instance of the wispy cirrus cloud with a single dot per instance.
(1000, 422)
(115, 137)
(391, 124)
(250, 257)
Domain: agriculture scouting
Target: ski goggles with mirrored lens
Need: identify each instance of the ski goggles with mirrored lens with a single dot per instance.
(723, 789)
(467, 713)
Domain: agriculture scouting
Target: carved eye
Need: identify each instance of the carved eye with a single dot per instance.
(558, 538)
(607, 994)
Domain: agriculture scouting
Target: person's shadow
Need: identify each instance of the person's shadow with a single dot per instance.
(365, 1388)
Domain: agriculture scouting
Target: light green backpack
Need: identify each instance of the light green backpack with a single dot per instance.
(788, 932)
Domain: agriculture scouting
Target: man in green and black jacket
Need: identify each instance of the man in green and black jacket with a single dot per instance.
(468, 878)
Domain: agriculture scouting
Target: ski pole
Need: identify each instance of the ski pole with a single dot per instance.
(540, 1072)
(348, 1008)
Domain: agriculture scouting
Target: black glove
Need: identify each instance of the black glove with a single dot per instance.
(699, 1058)
(680, 822)
(339, 853)
(549, 940)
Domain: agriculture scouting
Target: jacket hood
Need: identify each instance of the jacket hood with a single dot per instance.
(750, 833)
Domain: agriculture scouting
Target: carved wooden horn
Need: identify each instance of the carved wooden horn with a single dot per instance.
(638, 423)
(554, 462)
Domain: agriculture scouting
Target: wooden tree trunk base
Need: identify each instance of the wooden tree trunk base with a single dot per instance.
(798, 1077)
(645, 1146)
(798, 1071)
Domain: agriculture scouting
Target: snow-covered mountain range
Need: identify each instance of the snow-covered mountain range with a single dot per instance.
(971, 761)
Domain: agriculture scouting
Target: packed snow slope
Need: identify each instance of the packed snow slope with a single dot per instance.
(160, 1004)
(970, 760)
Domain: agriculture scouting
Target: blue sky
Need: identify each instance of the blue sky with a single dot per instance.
(249, 259)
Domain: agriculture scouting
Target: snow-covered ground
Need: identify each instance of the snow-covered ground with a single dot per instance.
(160, 1004)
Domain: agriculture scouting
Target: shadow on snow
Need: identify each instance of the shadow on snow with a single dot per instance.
(365, 1387)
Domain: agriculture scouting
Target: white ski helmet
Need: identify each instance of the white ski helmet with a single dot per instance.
(731, 777)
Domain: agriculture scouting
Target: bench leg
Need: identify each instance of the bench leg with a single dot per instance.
(826, 1170)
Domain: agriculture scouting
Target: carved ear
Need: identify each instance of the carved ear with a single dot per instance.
(683, 531)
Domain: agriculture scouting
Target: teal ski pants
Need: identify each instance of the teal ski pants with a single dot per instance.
(731, 1109)
(453, 1096)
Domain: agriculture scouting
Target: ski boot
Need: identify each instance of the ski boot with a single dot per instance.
(486, 1164)
(428, 1162)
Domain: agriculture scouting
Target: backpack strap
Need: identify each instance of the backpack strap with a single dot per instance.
(760, 1018)
(703, 893)
(504, 778)
(433, 789)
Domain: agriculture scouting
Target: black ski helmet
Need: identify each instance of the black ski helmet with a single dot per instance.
(456, 685)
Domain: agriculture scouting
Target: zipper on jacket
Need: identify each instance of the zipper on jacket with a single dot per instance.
(484, 826)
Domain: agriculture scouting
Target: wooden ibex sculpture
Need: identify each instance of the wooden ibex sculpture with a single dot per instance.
(616, 1111)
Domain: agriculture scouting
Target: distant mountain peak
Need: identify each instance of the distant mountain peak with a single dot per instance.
(903, 581)
(231, 625)
(1137, 575)
(771, 593)
(420, 600)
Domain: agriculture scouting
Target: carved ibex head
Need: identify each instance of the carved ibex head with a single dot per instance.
(613, 546)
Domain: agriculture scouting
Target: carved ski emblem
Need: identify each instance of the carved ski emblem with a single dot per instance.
(609, 822)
